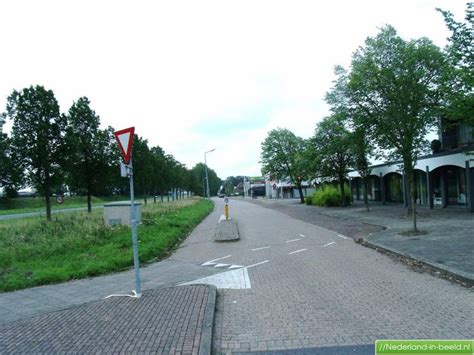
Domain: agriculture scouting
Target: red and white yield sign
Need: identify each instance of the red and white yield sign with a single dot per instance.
(124, 139)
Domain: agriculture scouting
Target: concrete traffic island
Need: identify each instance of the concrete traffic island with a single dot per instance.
(167, 320)
(227, 231)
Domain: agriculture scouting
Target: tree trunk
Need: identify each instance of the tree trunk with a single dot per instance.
(341, 186)
(366, 195)
(412, 198)
(300, 190)
(144, 194)
(89, 200)
(47, 193)
(410, 175)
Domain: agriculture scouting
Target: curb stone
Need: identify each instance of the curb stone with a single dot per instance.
(227, 231)
(205, 346)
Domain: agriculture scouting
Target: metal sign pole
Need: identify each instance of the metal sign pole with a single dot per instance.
(133, 222)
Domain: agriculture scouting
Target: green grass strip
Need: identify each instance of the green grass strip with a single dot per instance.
(77, 245)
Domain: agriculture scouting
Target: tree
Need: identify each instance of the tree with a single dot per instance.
(394, 87)
(361, 150)
(331, 150)
(198, 176)
(283, 156)
(88, 150)
(142, 166)
(37, 138)
(459, 81)
(11, 175)
(360, 145)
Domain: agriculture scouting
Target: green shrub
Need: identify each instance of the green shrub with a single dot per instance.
(329, 196)
(308, 200)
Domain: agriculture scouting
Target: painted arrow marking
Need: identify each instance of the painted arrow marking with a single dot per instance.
(211, 262)
(235, 267)
(221, 265)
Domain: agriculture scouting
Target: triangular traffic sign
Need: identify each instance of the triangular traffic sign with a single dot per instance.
(124, 139)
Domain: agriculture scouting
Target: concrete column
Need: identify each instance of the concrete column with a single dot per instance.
(382, 189)
(429, 188)
(350, 188)
(470, 186)
(444, 186)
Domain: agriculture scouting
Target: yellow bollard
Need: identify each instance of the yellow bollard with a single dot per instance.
(226, 209)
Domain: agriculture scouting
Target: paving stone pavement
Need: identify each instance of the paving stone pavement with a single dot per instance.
(42, 299)
(448, 244)
(322, 290)
(167, 320)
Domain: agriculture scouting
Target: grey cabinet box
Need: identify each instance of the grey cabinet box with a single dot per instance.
(118, 213)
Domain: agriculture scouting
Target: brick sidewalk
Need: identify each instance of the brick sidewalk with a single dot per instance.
(167, 320)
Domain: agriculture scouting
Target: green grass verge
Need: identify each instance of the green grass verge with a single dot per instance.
(77, 245)
(38, 204)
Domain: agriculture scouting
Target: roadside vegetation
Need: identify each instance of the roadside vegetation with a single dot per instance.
(77, 245)
(36, 204)
(381, 107)
(328, 196)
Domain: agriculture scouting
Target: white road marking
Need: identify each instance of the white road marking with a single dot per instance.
(297, 251)
(328, 244)
(302, 236)
(293, 240)
(233, 279)
(261, 248)
(208, 263)
(342, 236)
(235, 267)
(260, 263)
(221, 265)
(224, 257)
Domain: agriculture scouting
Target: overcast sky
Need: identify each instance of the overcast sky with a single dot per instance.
(196, 75)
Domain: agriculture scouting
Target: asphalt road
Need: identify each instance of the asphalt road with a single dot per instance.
(304, 286)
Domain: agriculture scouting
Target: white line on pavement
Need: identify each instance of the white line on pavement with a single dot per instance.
(302, 236)
(342, 236)
(208, 263)
(261, 248)
(292, 240)
(221, 265)
(224, 257)
(260, 263)
(297, 251)
(328, 244)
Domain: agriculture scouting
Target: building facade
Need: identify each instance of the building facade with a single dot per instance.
(445, 178)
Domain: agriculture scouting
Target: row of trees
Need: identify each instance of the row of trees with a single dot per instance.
(394, 93)
(55, 152)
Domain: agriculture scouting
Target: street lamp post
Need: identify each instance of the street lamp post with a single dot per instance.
(208, 193)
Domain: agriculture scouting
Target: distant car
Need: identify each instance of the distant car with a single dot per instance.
(221, 195)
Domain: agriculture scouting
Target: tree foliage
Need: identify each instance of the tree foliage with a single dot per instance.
(395, 92)
(459, 80)
(283, 157)
(331, 150)
(37, 138)
(89, 151)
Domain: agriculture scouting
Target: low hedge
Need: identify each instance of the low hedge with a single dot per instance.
(330, 196)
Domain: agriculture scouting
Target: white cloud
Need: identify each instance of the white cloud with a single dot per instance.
(168, 67)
